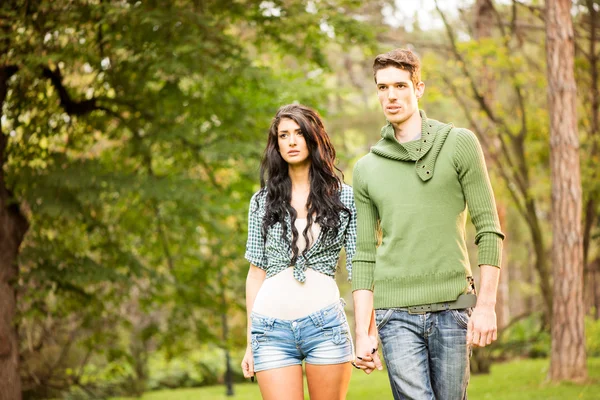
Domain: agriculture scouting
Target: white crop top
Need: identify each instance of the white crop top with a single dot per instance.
(283, 297)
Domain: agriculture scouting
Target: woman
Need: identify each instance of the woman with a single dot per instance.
(298, 222)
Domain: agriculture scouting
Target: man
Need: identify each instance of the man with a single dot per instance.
(416, 186)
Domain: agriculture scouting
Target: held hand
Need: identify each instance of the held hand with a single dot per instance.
(367, 356)
(481, 328)
(248, 363)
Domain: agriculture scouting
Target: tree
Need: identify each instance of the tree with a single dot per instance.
(508, 128)
(129, 145)
(587, 57)
(568, 356)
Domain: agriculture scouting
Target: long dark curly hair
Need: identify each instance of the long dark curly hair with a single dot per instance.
(323, 204)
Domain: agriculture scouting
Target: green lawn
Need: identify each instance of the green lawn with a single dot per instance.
(523, 379)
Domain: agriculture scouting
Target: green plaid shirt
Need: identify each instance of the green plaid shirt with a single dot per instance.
(274, 255)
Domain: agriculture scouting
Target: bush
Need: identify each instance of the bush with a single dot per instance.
(525, 338)
(592, 336)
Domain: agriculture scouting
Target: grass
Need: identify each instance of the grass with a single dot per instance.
(521, 379)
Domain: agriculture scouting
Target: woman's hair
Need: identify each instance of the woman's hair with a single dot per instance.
(323, 204)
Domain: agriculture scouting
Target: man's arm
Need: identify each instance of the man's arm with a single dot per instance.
(482, 329)
(366, 331)
(363, 267)
(477, 189)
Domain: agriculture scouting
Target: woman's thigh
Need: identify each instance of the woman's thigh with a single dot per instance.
(281, 383)
(328, 382)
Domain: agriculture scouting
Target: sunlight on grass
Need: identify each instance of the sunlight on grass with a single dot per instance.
(522, 379)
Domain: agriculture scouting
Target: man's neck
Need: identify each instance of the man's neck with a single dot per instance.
(408, 130)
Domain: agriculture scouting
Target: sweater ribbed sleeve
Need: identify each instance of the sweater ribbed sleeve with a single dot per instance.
(363, 262)
(475, 182)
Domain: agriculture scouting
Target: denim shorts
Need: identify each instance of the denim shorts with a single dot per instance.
(320, 338)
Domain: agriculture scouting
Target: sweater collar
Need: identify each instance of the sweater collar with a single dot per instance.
(433, 136)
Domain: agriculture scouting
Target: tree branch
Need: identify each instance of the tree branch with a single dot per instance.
(507, 179)
(463, 65)
(71, 107)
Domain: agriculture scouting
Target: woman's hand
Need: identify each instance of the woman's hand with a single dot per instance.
(248, 363)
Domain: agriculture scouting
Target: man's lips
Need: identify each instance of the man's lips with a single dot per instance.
(393, 108)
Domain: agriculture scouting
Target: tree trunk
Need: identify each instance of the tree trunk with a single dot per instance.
(541, 264)
(13, 226)
(484, 22)
(568, 357)
(228, 372)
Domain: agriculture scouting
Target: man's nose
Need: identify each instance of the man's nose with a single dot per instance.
(392, 94)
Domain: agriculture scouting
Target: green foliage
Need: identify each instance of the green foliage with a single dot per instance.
(525, 338)
(592, 336)
(135, 131)
(520, 379)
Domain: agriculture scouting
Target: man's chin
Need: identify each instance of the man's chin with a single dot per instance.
(396, 118)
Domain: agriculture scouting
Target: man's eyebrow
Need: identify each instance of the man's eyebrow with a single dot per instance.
(393, 83)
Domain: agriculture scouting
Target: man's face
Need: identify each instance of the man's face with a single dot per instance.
(397, 94)
(292, 145)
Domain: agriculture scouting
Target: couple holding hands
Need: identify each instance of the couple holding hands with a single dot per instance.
(402, 225)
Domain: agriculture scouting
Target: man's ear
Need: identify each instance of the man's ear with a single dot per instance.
(420, 90)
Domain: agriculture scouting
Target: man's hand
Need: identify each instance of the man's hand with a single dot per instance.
(481, 328)
(367, 356)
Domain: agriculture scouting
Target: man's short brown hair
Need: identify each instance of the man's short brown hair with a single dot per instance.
(399, 58)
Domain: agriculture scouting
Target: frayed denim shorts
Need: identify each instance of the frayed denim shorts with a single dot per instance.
(320, 338)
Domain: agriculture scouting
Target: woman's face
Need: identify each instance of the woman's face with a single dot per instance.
(292, 145)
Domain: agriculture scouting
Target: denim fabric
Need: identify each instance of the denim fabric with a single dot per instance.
(322, 338)
(426, 355)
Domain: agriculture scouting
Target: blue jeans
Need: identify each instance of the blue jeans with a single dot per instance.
(426, 355)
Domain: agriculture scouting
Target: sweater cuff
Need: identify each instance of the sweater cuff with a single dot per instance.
(363, 275)
(489, 250)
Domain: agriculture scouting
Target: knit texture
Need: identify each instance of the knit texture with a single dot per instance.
(415, 196)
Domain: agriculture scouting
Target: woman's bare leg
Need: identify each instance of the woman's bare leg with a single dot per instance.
(328, 382)
(281, 383)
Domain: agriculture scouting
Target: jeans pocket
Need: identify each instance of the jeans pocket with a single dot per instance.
(255, 341)
(461, 317)
(339, 335)
(382, 317)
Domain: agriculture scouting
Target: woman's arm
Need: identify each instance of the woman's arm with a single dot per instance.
(254, 281)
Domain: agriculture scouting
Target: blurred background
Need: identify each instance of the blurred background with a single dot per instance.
(132, 133)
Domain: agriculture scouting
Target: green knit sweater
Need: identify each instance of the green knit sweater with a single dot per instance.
(418, 193)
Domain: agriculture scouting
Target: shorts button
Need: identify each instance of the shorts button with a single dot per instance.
(294, 324)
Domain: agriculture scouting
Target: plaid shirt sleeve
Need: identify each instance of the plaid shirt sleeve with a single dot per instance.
(255, 246)
(350, 239)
